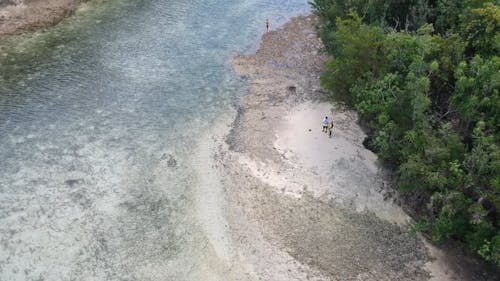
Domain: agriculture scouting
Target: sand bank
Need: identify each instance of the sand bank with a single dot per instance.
(17, 16)
(302, 205)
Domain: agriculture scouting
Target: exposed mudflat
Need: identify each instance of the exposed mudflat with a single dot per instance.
(302, 205)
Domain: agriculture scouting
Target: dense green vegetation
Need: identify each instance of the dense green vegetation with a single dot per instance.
(425, 78)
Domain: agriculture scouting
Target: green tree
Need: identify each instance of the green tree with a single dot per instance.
(425, 78)
(357, 49)
(480, 28)
(477, 95)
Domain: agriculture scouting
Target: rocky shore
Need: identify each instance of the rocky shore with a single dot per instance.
(301, 205)
(17, 16)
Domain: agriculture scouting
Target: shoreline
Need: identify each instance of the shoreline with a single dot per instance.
(19, 16)
(326, 204)
(287, 202)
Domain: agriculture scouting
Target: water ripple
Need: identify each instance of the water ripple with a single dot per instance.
(88, 112)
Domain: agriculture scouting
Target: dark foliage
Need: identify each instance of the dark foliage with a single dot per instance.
(425, 77)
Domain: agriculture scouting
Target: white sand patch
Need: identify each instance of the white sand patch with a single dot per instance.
(285, 180)
(341, 168)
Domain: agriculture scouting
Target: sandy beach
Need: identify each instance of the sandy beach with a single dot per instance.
(17, 16)
(302, 205)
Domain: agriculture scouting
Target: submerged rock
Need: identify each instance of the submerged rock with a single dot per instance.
(73, 182)
(171, 162)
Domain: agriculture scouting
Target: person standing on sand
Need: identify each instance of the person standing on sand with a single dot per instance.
(330, 129)
(267, 25)
(325, 124)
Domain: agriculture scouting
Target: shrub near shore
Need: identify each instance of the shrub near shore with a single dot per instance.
(425, 77)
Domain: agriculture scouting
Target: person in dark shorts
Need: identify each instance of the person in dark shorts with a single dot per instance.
(325, 124)
(267, 24)
(330, 129)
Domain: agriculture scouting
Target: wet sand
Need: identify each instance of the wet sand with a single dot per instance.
(17, 16)
(302, 205)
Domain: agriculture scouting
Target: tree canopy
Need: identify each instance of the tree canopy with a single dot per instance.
(425, 76)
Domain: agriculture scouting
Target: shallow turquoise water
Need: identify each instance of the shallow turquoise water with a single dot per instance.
(99, 120)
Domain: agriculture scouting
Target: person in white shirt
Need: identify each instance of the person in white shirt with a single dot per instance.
(325, 124)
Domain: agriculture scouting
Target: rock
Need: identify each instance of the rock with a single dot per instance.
(171, 162)
(73, 182)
